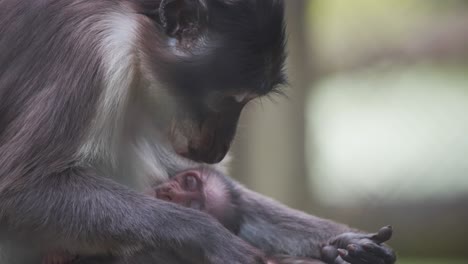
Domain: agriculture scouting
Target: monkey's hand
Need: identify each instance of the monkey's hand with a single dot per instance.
(356, 248)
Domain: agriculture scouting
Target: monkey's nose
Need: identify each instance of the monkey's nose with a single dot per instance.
(207, 155)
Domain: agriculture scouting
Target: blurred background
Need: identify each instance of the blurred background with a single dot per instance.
(374, 127)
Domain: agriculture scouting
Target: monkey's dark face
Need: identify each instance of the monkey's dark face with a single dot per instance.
(224, 53)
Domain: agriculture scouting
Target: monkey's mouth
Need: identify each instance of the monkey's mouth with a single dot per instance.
(205, 155)
(207, 151)
(206, 139)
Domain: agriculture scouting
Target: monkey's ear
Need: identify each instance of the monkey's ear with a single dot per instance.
(182, 18)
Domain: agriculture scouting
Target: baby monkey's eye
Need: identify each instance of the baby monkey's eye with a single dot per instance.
(191, 183)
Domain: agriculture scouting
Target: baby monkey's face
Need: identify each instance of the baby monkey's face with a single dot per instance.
(186, 189)
(201, 189)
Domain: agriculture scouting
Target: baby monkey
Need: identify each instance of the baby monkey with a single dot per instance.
(205, 190)
(201, 189)
(212, 192)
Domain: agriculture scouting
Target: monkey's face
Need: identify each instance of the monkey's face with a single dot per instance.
(203, 133)
(220, 54)
(186, 189)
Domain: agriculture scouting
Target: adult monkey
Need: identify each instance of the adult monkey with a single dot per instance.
(97, 97)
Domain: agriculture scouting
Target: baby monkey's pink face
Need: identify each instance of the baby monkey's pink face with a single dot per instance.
(200, 189)
(186, 189)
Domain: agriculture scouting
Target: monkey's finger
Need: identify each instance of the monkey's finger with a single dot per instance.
(377, 250)
(329, 253)
(344, 254)
(384, 234)
(358, 252)
(384, 252)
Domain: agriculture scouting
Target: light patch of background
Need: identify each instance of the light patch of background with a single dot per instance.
(399, 134)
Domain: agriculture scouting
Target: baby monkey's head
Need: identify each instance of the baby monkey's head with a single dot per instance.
(206, 190)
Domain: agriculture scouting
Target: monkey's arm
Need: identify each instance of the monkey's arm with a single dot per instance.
(277, 229)
(279, 259)
(81, 212)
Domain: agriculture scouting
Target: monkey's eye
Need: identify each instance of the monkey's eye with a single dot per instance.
(191, 183)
